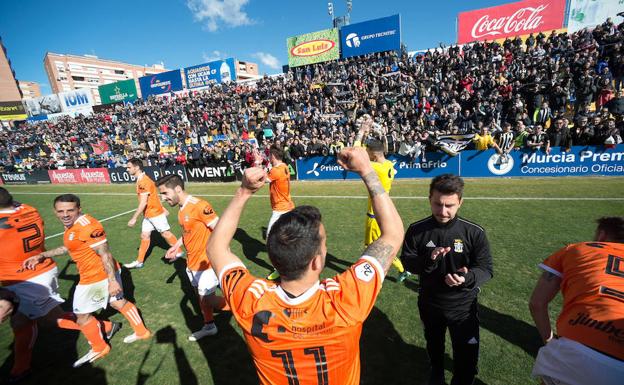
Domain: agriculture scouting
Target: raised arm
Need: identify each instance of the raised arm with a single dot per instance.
(218, 248)
(387, 245)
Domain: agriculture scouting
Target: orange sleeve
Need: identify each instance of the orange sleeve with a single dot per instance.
(207, 214)
(235, 281)
(142, 187)
(554, 263)
(93, 235)
(359, 287)
(272, 174)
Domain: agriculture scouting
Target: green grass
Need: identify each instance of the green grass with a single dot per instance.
(522, 232)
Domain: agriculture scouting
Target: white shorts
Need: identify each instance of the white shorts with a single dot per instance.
(565, 361)
(158, 223)
(205, 281)
(94, 296)
(274, 217)
(38, 295)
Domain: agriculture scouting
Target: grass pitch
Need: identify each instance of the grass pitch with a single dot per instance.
(526, 220)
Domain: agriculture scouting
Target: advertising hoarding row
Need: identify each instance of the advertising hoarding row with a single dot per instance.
(579, 161)
(514, 19)
(121, 91)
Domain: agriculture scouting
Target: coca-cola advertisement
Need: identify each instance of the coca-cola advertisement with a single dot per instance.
(83, 175)
(515, 19)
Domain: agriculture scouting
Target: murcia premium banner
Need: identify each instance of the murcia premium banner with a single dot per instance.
(514, 19)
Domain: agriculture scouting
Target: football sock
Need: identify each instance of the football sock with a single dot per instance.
(130, 311)
(396, 262)
(143, 249)
(93, 333)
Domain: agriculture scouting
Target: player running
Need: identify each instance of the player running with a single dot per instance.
(197, 219)
(279, 190)
(376, 147)
(100, 283)
(154, 214)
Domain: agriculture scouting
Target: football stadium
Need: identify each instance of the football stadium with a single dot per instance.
(326, 215)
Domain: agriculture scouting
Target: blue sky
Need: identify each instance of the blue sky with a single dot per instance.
(181, 33)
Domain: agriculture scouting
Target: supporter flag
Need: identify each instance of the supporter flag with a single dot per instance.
(100, 147)
(453, 144)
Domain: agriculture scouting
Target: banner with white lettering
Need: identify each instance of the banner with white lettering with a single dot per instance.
(219, 172)
(514, 19)
(82, 175)
(32, 177)
(580, 160)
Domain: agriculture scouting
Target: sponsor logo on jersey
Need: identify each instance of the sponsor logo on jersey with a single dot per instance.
(97, 233)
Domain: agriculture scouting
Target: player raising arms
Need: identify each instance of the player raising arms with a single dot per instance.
(198, 219)
(100, 282)
(305, 331)
(279, 191)
(376, 147)
(154, 214)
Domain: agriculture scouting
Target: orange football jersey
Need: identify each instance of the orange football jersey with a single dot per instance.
(310, 339)
(592, 285)
(146, 186)
(196, 216)
(279, 189)
(21, 237)
(80, 239)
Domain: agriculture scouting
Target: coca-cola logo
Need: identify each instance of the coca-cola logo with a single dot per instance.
(523, 20)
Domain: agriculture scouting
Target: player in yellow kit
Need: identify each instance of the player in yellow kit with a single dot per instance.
(376, 147)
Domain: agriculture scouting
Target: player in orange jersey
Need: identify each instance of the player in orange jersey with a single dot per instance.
(197, 219)
(302, 330)
(154, 214)
(279, 191)
(100, 282)
(34, 292)
(589, 348)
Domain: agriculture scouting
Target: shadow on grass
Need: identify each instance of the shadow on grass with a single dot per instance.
(386, 358)
(336, 264)
(220, 351)
(251, 248)
(515, 331)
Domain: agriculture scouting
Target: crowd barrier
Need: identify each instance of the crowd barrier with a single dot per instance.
(579, 161)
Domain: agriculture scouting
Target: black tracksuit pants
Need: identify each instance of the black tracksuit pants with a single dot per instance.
(463, 326)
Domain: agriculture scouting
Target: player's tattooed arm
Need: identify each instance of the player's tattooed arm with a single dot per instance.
(373, 184)
(107, 259)
(382, 252)
(32, 262)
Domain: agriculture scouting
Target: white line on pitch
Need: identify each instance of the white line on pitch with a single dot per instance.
(364, 197)
(101, 220)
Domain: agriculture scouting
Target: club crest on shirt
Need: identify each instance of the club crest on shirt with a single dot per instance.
(72, 236)
(186, 218)
(458, 246)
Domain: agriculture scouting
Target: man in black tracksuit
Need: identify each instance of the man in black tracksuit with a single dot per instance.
(452, 257)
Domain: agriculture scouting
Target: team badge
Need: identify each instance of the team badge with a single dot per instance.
(71, 236)
(186, 218)
(458, 246)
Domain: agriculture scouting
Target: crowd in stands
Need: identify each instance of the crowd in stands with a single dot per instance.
(479, 88)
